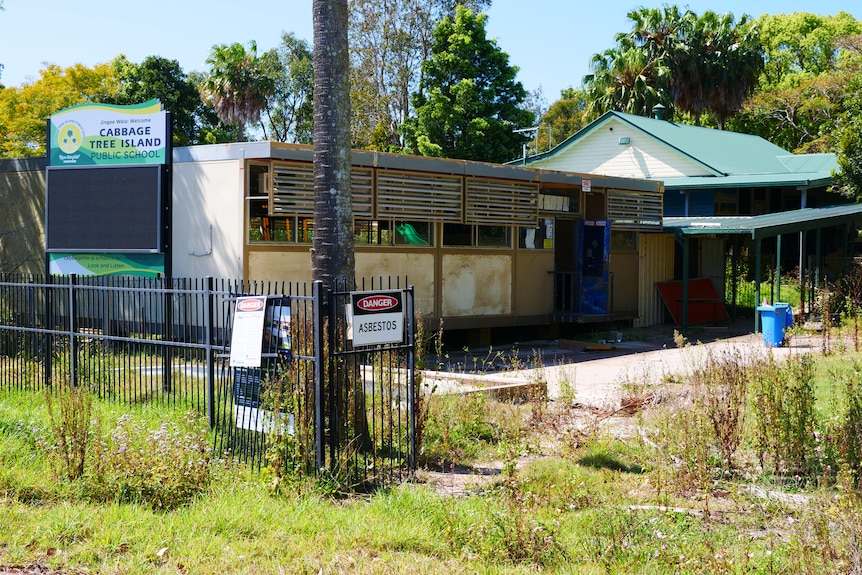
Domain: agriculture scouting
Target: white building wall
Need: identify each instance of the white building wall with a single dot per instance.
(208, 196)
(600, 152)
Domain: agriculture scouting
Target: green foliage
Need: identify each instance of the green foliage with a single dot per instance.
(696, 64)
(785, 419)
(807, 83)
(164, 79)
(163, 468)
(236, 85)
(562, 119)
(289, 114)
(25, 110)
(468, 101)
(721, 385)
(287, 418)
(463, 427)
(70, 416)
(849, 143)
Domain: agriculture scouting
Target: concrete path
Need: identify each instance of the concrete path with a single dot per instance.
(599, 378)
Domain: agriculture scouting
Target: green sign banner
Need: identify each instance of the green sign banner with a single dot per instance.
(143, 265)
(108, 135)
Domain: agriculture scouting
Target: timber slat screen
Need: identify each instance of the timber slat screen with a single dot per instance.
(141, 341)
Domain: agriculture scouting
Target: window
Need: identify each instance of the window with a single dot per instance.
(537, 238)
(726, 203)
(393, 232)
(624, 241)
(477, 236)
(263, 226)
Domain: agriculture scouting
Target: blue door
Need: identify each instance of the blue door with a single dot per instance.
(593, 260)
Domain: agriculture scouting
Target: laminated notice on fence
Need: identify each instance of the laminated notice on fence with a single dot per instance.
(378, 317)
(246, 340)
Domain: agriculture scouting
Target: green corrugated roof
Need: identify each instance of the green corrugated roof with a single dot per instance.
(767, 225)
(733, 158)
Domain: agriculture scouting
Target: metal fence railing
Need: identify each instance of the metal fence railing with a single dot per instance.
(142, 340)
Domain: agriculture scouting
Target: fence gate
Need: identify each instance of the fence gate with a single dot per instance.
(321, 401)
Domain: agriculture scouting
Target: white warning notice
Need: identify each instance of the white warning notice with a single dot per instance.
(378, 317)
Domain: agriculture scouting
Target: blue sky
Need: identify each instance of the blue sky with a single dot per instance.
(551, 41)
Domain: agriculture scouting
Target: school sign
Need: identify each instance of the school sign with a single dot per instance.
(109, 135)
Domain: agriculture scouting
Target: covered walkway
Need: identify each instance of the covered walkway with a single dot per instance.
(759, 228)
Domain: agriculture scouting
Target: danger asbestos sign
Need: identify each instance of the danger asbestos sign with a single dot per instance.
(378, 317)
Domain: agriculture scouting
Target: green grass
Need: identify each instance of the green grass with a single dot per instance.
(593, 502)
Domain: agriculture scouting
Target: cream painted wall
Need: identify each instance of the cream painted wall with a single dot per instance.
(600, 152)
(208, 194)
(478, 284)
(293, 264)
(416, 266)
(624, 267)
(534, 284)
(284, 264)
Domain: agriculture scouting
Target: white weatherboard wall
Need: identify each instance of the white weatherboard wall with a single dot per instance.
(600, 152)
(208, 194)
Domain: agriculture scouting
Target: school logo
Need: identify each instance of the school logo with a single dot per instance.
(70, 136)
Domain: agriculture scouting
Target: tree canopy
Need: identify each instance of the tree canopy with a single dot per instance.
(24, 110)
(236, 85)
(289, 114)
(164, 79)
(469, 101)
(695, 64)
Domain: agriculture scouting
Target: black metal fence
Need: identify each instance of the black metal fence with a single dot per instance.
(319, 403)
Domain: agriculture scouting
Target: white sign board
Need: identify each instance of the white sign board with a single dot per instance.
(246, 340)
(378, 317)
(587, 185)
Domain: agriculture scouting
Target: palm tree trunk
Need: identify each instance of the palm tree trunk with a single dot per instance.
(332, 259)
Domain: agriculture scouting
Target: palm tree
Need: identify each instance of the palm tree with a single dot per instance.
(236, 86)
(733, 59)
(694, 64)
(625, 80)
(332, 259)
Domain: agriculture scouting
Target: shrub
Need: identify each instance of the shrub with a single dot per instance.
(721, 389)
(164, 467)
(70, 416)
(784, 415)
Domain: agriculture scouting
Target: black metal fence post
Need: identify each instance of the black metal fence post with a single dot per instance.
(411, 379)
(47, 337)
(208, 341)
(319, 379)
(73, 347)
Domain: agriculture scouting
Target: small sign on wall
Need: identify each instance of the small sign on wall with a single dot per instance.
(377, 317)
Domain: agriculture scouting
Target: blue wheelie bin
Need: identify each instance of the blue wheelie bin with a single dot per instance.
(773, 321)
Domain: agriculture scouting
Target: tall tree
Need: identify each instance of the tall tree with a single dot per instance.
(696, 64)
(236, 85)
(25, 109)
(161, 78)
(289, 114)
(626, 79)
(802, 43)
(562, 119)
(469, 101)
(810, 61)
(716, 66)
(332, 260)
(1, 65)
(635, 75)
(389, 40)
(849, 125)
